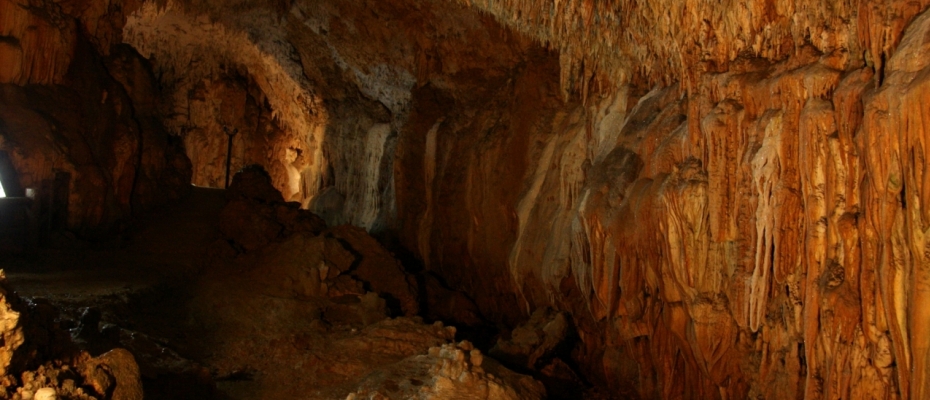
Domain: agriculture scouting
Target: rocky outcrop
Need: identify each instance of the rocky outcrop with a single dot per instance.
(322, 302)
(727, 199)
(40, 40)
(257, 215)
(449, 371)
(113, 375)
(724, 229)
(533, 344)
(727, 230)
(295, 255)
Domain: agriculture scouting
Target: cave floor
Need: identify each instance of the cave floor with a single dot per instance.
(145, 283)
(138, 280)
(161, 248)
(154, 283)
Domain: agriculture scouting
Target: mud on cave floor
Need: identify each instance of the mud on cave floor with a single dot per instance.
(184, 302)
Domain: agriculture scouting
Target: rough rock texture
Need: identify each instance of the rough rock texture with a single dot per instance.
(40, 39)
(39, 359)
(83, 132)
(220, 78)
(114, 374)
(10, 329)
(450, 371)
(742, 232)
(257, 215)
(51, 381)
(535, 342)
(303, 318)
(728, 198)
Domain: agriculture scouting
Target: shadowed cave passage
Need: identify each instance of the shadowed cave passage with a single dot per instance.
(507, 199)
(9, 182)
(17, 221)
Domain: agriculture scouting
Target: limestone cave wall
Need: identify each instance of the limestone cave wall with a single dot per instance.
(728, 197)
(80, 124)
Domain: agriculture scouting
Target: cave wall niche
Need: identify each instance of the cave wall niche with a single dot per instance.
(322, 107)
(215, 80)
(236, 105)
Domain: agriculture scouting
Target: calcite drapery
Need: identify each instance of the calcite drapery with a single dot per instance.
(728, 197)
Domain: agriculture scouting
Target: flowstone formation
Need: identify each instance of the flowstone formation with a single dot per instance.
(724, 199)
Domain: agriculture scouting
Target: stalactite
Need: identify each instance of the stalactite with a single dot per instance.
(730, 197)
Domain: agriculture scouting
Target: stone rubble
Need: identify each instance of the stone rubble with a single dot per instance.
(450, 371)
(70, 374)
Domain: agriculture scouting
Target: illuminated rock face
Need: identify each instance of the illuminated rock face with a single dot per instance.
(728, 199)
(12, 331)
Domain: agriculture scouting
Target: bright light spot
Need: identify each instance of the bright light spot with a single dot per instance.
(2, 193)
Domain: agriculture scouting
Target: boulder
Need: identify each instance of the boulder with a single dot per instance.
(115, 373)
(535, 341)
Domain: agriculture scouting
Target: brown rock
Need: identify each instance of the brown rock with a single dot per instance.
(444, 304)
(561, 380)
(253, 182)
(10, 330)
(378, 268)
(729, 202)
(296, 220)
(450, 371)
(114, 374)
(256, 214)
(534, 341)
(249, 223)
(74, 136)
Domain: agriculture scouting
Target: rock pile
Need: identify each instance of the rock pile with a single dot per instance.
(291, 292)
(454, 370)
(39, 361)
(257, 215)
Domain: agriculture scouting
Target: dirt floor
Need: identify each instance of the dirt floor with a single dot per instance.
(297, 317)
(160, 248)
(135, 281)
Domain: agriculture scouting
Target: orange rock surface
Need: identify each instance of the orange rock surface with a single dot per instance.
(728, 198)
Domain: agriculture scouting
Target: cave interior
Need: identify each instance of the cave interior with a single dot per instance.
(464, 199)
